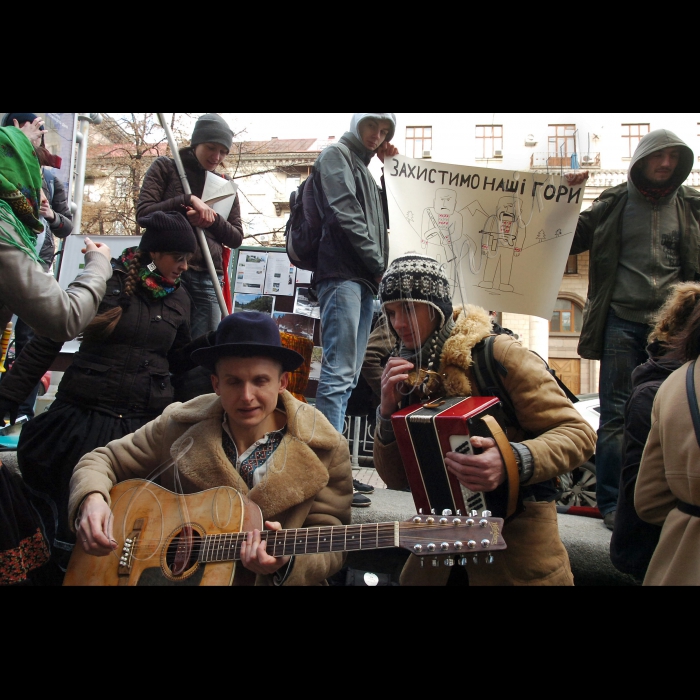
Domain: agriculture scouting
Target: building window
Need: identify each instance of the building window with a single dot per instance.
(561, 144)
(489, 141)
(572, 265)
(418, 140)
(632, 134)
(293, 184)
(567, 317)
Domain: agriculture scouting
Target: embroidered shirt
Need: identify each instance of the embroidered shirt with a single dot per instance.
(253, 463)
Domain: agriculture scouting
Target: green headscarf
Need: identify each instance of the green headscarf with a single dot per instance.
(20, 177)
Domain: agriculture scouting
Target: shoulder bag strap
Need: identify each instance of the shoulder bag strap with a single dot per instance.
(693, 400)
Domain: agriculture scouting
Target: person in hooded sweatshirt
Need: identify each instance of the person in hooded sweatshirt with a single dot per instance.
(643, 237)
(352, 258)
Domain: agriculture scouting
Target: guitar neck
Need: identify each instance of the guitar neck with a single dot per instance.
(314, 540)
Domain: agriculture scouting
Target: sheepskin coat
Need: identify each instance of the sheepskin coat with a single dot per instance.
(670, 472)
(309, 483)
(562, 441)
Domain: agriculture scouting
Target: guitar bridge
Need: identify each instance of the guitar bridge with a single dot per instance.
(127, 556)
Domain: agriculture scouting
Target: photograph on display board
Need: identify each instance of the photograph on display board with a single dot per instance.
(279, 279)
(295, 324)
(253, 302)
(303, 304)
(250, 273)
(316, 362)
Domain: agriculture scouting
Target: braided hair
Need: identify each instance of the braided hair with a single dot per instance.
(102, 326)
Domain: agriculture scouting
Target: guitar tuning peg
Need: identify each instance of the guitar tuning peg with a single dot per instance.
(475, 559)
(432, 511)
(422, 562)
(486, 514)
(449, 562)
(474, 514)
(420, 511)
(436, 562)
(462, 561)
(447, 512)
(459, 513)
(489, 560)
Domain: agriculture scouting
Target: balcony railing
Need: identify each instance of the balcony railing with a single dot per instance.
(556, 161)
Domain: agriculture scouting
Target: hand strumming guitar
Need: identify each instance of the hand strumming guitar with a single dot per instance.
(94, 532)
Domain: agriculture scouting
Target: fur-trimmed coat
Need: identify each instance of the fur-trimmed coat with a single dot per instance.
(670, 472)
(309, 483)
(563, 441)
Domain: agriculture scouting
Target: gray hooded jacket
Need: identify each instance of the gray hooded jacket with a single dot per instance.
(639, 248)
(355, 240)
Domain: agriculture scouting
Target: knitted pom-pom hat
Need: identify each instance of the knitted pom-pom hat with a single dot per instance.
(419, 279)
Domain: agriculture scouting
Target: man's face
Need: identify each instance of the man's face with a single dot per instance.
(506, 210)
(373, 132)
(445, 201)
(659, 167)
(413, 323)
(249, 388)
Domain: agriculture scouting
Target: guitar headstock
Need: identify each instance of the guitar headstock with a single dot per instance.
(451, 535)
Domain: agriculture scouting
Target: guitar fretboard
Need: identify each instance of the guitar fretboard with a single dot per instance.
(350, 538)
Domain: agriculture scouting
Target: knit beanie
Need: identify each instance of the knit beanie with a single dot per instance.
(167, 232)
(211, 128)
(21, 118)
(419, 279)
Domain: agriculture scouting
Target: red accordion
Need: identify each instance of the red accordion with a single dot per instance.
(427, 432)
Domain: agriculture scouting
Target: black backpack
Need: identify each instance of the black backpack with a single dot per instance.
(305, 225)
(489, 374)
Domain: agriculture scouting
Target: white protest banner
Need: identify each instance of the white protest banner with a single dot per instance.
(503, 236)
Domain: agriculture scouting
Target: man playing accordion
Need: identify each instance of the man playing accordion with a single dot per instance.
(431, 358)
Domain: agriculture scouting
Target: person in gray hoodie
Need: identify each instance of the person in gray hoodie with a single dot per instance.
(353, 255)
(643, 237)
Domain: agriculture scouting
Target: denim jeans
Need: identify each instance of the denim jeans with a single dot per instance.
(347, 308)
(206, 312)
(624, 349)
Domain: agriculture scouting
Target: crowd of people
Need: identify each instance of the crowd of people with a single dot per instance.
(165, 388)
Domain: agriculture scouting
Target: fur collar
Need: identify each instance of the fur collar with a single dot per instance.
(299, 468)
(472, 325)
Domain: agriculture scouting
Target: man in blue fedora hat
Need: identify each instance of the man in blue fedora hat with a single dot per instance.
(252, 435)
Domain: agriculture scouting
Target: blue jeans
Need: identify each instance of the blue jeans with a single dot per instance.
(206, 312)
(624, 349)
(347, 308)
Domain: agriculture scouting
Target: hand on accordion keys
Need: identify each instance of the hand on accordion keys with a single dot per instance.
(478, 472)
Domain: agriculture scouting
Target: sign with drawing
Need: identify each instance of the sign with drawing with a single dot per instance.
(503, 236)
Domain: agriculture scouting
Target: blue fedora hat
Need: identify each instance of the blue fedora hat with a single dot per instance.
(248, 334)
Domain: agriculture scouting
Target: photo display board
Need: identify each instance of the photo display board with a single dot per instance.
(264, 279)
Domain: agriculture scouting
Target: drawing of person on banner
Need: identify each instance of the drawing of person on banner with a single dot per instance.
(441, 230)
(503, 238)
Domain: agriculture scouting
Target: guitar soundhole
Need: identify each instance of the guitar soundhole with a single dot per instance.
(182, 552)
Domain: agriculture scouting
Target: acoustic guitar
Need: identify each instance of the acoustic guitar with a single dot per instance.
(168, 539)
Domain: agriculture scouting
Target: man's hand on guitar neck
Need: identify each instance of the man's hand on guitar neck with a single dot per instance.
(94, 530)
(484, 472)
(254, 556)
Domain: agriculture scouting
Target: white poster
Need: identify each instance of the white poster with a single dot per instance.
(303, 276)
(250, 275)
(279, 279)
(503, 236)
